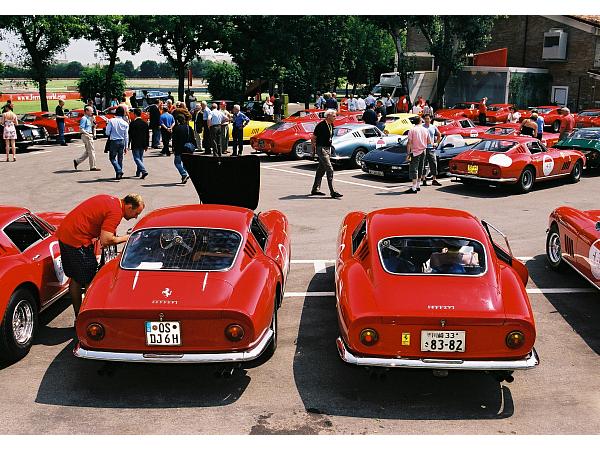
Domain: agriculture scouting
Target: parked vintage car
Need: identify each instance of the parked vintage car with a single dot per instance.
(587, 118)
(195, 283)
(587, 141)
(429, 288)
(27, 135)
(31, 275)
(109, 113)
(101, 120)
(391, 161)
(254, 110)
(352, 141)
(459, 125)
(47, 121)
(550, 114)
(284, 138)
(574, 239)
(497, 113)
(516, 160)
(254, 128)
(514, 129)
(469, 110)
(400, 123)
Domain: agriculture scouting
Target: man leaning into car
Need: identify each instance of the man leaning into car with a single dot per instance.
(96, 218)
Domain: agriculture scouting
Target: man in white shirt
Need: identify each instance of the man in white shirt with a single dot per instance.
(214, 122)
(513, 115)
(416, 109)
(361, 105)
(352, 103)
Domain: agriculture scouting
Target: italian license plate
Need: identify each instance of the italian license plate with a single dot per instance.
(379, 173)
(442, 341)
(70, 129)
(472, 169)
(163, 333)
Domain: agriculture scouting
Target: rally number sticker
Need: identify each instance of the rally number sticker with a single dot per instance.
(547, 165)
(594, 259)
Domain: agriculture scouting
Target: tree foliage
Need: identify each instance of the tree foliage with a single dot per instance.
(41, 38)
(451, 39)
(93, 80)
(224, 81)
(127, 69)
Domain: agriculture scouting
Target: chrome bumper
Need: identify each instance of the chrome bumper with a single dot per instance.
(528, 362)
(179, 358)
(340, 158)
(493, 180)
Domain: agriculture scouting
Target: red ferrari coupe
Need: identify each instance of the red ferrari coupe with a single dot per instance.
(109, 113)
(514, 129)
(516, 160)
(498, 113)
(47, 120)
(469, 110)
(458, 125)
(550, 114)
(195, 283)
(428, 288)
(31, 274)
(101, 120)
(588, 118)
(574, 239)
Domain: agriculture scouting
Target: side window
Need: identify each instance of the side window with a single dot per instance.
(534, 147)
(465, 124)
(259, 232)
(358, 235)
(370, 132)
(38, 227)
(22, 233)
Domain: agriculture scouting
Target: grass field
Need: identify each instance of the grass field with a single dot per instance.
(25, 107)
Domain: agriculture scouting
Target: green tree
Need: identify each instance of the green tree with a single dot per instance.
(126, 68)
(93, 79)
(451, 39)
(224, 81)
(165, 70)
(148, 69)
(113, 34)
(72, 69)
(41, 38)
(180, 39)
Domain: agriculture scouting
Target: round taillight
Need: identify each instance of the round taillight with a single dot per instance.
(369, 336)
(515, 339)
(234, 332)
(95, 331)
(454, 167)
(494, 172)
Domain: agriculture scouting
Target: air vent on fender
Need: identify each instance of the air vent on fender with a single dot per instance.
(249, 249)
(363, 252)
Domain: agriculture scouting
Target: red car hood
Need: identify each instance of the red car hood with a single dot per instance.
(153, 290)
(451, 296)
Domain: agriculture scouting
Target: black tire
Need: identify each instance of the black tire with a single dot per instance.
(575, 174)
(270, 350)
(553, 248)
(526, 180)
(357, 157)
(297, 150)
(19, 325)
(556, 126)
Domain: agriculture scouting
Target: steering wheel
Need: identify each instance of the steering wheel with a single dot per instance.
(183, 242)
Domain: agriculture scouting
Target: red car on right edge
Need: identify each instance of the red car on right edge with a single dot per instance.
(516, 160)
(574, 239)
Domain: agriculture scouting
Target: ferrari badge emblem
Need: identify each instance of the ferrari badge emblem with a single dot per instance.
(405, 338)
(167, 292)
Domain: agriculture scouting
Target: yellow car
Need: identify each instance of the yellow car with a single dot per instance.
(254, 127)
(399, 123)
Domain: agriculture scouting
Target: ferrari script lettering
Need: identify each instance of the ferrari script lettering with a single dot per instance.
(439, 307)
(165, 302)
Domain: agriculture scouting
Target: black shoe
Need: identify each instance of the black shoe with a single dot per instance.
(418, 189)
(424, 183)
(119, 176)
(144, 175)
(185, 178)
(75, 164)
(317, 193)
(336, 195)
(410, 191)
(64, 144)
(95, 169)
(436, 183)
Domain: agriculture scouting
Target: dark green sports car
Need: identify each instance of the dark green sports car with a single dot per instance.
(586, 140)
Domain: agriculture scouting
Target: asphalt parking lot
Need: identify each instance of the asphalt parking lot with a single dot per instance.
(305, 388)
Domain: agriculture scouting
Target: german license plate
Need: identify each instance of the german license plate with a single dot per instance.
(379, 173)
(442, 341)
(163, 333)
(472, 169)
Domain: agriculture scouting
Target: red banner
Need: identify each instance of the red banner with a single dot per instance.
(35, 96)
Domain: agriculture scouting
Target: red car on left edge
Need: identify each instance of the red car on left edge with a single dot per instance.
(31, 274)
(47, 120)
(195, 283)
(516, 160)
(429, 288)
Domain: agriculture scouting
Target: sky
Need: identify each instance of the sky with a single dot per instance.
(85, 52)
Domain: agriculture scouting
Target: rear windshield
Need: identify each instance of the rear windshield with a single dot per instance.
(396, 148)
(589, 113)
(309, 127)
(282, 126)
(494, 146)
(181, 249)
(432, 255)
(501, 131)
(585, 134)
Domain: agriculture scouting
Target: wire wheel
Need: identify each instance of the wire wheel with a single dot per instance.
(23, 322)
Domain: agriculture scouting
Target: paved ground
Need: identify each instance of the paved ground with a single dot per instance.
(305, 388)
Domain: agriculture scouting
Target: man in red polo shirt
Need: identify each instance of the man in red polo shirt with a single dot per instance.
(95, 218)
(567, 123)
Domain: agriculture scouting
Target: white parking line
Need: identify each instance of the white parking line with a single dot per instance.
(311, 175)
(40, 152)
(529, 291)
(289, 163)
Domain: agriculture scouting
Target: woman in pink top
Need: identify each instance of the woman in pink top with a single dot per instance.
(9, 121)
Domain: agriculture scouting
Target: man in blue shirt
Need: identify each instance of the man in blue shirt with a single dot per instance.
(87, 136)
(540, 124)
(240, 120)
(430, 156)
(167, 122)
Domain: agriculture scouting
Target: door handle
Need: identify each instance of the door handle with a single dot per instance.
(35, 258)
